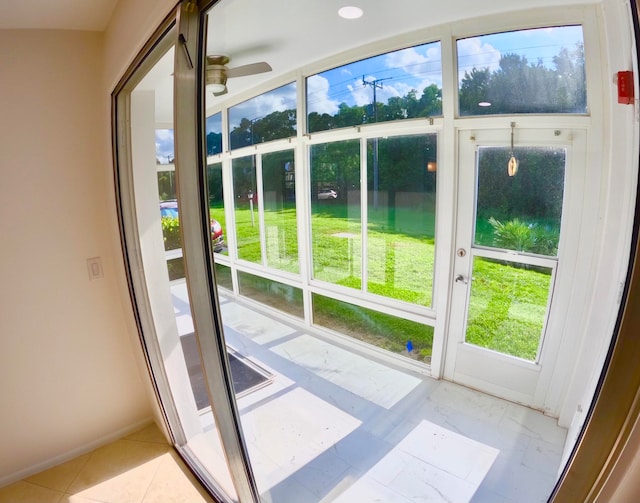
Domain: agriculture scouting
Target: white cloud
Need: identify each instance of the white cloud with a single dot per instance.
(473, 53)
(407, 59)
(277, 100)
(164, 144)
(345, 71)
(361, 94)
(319, 101)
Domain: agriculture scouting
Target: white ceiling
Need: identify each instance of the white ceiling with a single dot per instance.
(288, 34)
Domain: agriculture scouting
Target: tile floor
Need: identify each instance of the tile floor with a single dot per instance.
(341, 425)
(139, 468)
(334, 425)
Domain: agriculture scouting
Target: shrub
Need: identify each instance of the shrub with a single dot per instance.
(519, 235)
(171, 233)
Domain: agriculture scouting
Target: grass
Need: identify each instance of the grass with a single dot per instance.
(507, 305)
(507, 308)
(400, 263)
(385, 331)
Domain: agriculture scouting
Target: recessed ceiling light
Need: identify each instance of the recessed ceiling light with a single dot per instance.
(350, 12)
(484, 104)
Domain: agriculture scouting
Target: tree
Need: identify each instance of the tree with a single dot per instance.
(430, 102)
(473, 91)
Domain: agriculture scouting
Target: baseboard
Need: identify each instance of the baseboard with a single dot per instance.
(74, 453)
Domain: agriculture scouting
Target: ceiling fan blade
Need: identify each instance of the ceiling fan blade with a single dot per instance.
(251, 69)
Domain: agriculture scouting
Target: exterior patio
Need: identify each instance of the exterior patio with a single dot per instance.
(337, 421)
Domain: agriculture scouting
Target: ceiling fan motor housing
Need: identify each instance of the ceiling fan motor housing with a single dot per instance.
(216, 71)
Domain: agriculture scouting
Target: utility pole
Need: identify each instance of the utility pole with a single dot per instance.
(375, 84)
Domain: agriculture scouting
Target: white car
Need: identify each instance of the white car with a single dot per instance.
(327, 194)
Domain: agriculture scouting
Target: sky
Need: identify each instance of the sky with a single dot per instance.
(395, 74)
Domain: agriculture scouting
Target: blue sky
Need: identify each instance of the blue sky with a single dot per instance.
(397, 73)
(542, 43)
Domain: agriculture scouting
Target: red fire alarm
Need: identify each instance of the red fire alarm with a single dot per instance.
(625, 88)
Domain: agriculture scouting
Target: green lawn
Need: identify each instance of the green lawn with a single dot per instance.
(507, 307)
(507, 304)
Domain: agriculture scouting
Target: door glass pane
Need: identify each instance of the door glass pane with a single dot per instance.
(520, 212)
(246, 209)
(158, 268)
(527, 71)
(336, 231)
(508, 306)
(401, 212)
(280, 222)
(216, 208)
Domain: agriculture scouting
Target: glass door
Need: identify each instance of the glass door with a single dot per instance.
(151, 220)
(509, 242)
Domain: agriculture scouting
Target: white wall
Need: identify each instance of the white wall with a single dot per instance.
(69, 374)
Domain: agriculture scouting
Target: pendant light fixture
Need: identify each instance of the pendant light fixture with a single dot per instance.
(512, 165)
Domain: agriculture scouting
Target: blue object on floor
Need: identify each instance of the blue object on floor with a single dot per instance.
(409, 346)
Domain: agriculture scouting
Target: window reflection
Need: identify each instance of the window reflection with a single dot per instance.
(336, 225)
(280, 222)
(528, 71)
(214, 134)
(216, 208)
(401, 174)
(403, 84)
(246, 209)
(521, 212)
(267, 117)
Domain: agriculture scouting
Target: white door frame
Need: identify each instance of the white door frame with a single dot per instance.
(514, 379)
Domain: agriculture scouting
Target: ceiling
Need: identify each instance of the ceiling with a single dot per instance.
(293, 34)
(286, 34)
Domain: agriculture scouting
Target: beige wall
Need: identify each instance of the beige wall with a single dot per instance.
(70, 373)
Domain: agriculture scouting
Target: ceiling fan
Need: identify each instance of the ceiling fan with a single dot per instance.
(216, 72)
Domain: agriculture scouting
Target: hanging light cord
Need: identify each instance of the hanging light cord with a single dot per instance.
(512, 165)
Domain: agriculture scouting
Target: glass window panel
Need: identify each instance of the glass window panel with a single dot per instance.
(520, 212)
(165, 148)
(507, 307)
(280, 222)
(336, 225)
(147, 179)
(166, 184)
(175, 267)
(401, 178)
(528, 71)
(214, 134)
(216, 208)
(223, 276)
(392, 333)
(277, 295)
(403, 84)
(269, 116)
(246, 208)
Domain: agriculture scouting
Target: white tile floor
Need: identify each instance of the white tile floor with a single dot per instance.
(335, 425)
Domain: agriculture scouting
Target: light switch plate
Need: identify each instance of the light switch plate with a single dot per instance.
(94, 265)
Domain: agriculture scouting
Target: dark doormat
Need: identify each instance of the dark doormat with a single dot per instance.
(246, 375)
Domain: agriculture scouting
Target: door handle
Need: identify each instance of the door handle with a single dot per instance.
(461, 279)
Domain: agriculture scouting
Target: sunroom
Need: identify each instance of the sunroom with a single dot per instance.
(396, 246)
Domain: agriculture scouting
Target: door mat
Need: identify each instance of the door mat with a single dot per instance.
(246, 375)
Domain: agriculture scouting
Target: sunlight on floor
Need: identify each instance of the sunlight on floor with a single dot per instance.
(139, 468)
